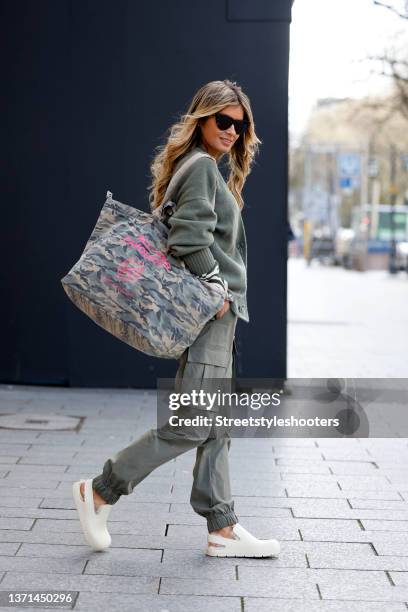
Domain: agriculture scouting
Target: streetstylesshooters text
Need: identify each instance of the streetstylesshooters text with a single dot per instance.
(268, 422)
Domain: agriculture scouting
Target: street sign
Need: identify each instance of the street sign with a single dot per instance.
(345, 183)
(348, 170)
(349, 164)
(372, 167)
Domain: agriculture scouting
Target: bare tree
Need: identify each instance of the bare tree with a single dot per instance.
(394, 67)
(393, 9)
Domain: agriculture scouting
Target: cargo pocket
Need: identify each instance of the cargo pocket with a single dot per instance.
(209, 379)
(214, 344)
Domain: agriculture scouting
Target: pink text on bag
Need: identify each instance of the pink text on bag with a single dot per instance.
(143, 245)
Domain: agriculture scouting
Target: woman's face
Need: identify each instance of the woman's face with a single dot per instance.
(216, 141)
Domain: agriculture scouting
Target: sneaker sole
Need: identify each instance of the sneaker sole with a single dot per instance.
(213, 551)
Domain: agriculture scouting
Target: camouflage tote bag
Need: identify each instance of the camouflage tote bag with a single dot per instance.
(128, 284)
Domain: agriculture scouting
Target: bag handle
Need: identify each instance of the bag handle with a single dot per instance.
(175, 179)
(159, 211)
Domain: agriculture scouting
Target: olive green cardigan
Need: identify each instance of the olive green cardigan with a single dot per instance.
(206, 227)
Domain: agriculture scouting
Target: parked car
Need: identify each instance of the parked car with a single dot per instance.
(322, 248)
(402, 255)
(344, 240)
(374, 231)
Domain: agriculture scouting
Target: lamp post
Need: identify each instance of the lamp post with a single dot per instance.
(393, 196)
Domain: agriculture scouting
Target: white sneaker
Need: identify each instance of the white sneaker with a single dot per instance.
(243, 545)
(93, 522)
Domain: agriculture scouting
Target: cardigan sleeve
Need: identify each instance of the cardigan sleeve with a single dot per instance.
(192, 224)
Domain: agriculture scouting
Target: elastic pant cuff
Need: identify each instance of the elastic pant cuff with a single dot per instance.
(218, 521)
(104, 490)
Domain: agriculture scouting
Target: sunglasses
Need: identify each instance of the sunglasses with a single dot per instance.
(225, 121)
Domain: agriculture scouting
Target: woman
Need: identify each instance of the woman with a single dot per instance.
(206, 230)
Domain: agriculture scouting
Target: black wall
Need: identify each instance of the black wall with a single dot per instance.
(92, 87)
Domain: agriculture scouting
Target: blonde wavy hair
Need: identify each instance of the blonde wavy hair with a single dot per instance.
(186, 134)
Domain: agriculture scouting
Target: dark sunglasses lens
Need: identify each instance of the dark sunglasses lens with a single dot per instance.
(223, 122)
(241, 127)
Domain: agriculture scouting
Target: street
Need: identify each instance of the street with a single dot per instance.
(345, 323)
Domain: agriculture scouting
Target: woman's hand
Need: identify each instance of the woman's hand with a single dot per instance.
(223, 310)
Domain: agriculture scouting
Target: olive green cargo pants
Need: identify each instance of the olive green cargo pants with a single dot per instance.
(212, 355)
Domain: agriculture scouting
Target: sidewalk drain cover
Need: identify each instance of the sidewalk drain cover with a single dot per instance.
(44, 422)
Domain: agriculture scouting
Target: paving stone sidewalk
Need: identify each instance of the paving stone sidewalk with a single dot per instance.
(338, 506)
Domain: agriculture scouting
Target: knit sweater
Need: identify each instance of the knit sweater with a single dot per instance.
(207, 228)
